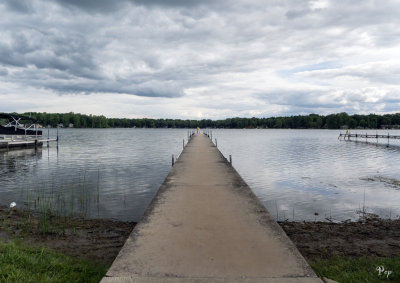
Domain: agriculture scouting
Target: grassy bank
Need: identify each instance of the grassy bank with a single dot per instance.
(345, 251)
(66, 249)
(358, 269)
(19, 263)
(350, 251)
(97, 240)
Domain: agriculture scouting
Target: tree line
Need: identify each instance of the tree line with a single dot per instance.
(312, 121)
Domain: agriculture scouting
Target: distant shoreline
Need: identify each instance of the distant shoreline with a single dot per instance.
(311, 121)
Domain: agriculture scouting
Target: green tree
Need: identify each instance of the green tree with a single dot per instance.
(352, 123)
(332, 121)
(363, 123)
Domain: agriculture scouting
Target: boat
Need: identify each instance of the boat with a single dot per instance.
(21, 131)
(19, 125)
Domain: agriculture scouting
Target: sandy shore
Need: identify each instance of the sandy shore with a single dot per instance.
(100, 240)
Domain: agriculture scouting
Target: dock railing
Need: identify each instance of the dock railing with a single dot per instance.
(21, 141)
(375, 138)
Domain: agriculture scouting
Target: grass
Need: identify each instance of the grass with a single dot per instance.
(30, 222)
(363, 269)
(52, 199)
(19, 263)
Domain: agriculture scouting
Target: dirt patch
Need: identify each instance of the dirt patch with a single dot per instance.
(96, 239)
(372, 237)
(100, 240)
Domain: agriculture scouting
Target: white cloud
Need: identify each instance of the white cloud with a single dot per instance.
(192, 59)
(383, 73)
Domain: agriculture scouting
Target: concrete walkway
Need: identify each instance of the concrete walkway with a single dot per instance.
(206, 225)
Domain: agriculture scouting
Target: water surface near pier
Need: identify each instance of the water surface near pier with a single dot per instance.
(108, 173)
(114, 173)
(300, 173)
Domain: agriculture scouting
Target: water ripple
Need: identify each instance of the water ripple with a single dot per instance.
(310, 171)
(295, 173)
(117, 171)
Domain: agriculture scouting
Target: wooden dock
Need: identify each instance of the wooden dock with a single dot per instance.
(18, 143)
(375, 138)
(206, 225)
(368, 136)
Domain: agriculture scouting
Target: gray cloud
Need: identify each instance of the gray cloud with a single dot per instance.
(295, 55)
(183, 3)
(293, 14)
(3, 72)
(106, 6)
(326, 101)
(149, 89)
(21, 6)
(69, 52)
(386, 72)
(94, 5)
(303, 99)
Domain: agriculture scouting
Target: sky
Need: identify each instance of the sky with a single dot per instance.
(205, 59)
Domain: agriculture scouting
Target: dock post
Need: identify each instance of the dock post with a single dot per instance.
(183, 144)
(230, 159)
(211, 135)
(216, 143)
(48, 135)
(173, 160)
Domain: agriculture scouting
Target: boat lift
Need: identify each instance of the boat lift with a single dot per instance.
(21, 132)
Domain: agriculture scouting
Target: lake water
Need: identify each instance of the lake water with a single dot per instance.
(114, 173)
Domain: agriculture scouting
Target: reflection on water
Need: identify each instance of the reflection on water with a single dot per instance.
(108, 173)
(114, 173)
(18, 161)
(297, 173)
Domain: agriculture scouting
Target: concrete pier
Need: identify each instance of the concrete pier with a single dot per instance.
(206, 225)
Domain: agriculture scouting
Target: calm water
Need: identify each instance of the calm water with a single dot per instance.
(109, 173)
(297, 173)
(114, 173)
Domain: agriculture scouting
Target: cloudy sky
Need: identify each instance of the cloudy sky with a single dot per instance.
(200, 59)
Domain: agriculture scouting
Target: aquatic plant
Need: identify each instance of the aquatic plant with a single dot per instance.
(52, 199)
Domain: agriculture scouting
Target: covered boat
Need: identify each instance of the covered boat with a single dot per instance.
(19, 125)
